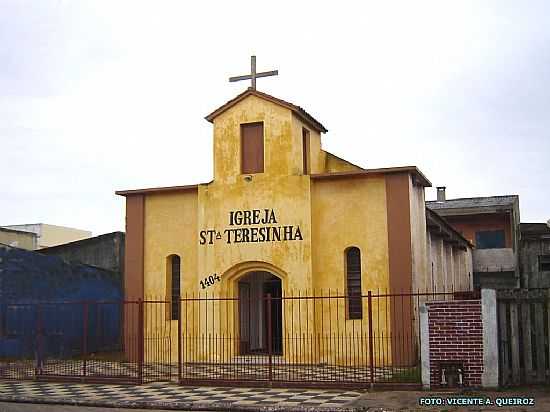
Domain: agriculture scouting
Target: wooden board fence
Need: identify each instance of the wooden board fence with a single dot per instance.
(524, 336)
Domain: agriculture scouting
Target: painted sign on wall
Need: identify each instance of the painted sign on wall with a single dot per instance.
(251, 226)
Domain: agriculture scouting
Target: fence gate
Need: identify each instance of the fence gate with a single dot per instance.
(301, 340)
(524, 336)
(261, 337)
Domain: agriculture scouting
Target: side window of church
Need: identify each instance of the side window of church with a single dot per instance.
(490, 239)
(252, 148)
(175, 277)
(305, 150)
(353, 283)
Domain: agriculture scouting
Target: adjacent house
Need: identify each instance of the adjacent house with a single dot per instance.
(47, 293)
(535, 255)
(491, 224)
(51, 235)
(18, 238)
(104, 251)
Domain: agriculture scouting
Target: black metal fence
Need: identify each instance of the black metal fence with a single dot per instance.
(299, 339)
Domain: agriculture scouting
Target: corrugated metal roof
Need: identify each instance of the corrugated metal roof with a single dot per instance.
(473, 202)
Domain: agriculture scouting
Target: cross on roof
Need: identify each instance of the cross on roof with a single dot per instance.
(253, 75)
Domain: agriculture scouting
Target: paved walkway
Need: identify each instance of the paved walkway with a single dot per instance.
(171, 396)
(40, 407)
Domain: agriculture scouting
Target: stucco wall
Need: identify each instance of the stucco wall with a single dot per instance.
(344, 214)
(350, 213)
(335, 164)
(282, 148)
(170, 229)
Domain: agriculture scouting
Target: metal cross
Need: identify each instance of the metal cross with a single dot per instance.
(253, 75)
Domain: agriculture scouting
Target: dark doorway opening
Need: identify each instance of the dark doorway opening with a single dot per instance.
(260, 318)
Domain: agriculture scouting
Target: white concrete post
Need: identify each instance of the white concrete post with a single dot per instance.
(489, 377)
(425, 346)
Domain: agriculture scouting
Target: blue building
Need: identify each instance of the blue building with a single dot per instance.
(50, 308)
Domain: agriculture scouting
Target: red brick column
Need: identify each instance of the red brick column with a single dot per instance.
(456, 335)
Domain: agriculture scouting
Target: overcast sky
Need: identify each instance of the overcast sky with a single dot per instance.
(105, 95)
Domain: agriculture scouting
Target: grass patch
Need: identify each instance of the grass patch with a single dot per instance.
(406, 375)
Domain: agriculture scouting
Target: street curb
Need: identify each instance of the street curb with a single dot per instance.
(190, 406)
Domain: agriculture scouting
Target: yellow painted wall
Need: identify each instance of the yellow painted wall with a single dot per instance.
(331, 215)
(335, 164)
(170, 229)
(282, 148)
(343, 217)
(348, 213)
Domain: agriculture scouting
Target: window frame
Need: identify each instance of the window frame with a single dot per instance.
(306, 158)
(479, 233)
(173, 293)
(354, 300)
(242, 126)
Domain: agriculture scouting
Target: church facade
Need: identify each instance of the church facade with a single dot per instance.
(282, 217)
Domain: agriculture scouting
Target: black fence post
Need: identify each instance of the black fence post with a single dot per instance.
(84, 337)
(38, 343)
(141, 343)
(179, 341)
(371, 339)
(269, 338)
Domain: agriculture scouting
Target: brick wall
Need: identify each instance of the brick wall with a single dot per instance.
(456, 334)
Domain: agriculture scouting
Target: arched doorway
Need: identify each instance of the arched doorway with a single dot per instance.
(260, 326)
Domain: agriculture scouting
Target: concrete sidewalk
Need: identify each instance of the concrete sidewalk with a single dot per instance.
(170, 396)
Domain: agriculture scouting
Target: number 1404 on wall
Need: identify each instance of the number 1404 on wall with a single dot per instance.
(210, 280)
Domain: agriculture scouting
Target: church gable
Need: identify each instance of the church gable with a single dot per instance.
(297, 110)
(254, 136)
(258, 133)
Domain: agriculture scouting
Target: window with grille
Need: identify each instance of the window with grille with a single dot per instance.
(175, 266)
(353, 283)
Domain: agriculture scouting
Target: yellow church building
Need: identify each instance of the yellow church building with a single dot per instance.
(278, 253)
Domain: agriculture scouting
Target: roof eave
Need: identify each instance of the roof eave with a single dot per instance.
(302, 114)
(152, 190)
(432, 215)
(472, 210)
(413, 170)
